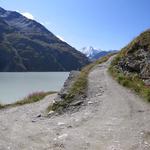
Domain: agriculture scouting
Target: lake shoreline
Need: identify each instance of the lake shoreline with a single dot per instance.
(16, 86)
(31, 98)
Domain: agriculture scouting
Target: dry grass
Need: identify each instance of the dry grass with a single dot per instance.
(31, 98)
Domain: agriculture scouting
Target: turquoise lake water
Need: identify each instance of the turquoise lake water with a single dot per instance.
(15, 86)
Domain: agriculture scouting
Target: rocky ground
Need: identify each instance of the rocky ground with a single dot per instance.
(113, 118)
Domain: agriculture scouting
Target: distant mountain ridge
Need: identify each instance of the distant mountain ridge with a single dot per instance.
(94, 54)
(26, 45)
(90, 52)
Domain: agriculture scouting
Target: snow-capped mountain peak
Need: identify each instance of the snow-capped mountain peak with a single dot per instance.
(90, 51)
(94, 53)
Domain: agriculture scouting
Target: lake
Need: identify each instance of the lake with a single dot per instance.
(15, 86)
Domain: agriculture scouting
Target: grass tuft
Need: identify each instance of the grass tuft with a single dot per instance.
(1, 106)
(31, 98)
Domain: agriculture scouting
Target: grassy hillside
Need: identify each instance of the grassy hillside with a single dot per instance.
(131, 67)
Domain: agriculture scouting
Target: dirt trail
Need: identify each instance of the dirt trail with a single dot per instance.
(114, 118)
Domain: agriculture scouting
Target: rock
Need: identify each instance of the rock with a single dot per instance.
(51, 112)
(77, 103)
(140, 111)
(38, 116)
(147, 82)
(69, 126)
(76, 120)
(53, 102)
(57, 134)
(60, 123)
(84, 96)
(90, 102)
(33, 120)
(63, 95)
(63, 136)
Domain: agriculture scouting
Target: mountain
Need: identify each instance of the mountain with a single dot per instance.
(94, 54)
(26, 45)
(134, 59)
(103, 53)
(90, 52)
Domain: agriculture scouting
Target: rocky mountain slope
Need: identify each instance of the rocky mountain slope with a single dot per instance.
(26, 45)
(135, 58)
(94, 54)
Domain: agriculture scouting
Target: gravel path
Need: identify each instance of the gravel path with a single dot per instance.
(113, 118)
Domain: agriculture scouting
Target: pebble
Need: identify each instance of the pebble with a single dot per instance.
(69, 126)
(90, 102)
(77, 103)
(38, 116)
(53, 102)
(51, 112)
(60, 123)
(33, 121)
(62, 136)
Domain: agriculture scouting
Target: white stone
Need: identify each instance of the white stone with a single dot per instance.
(60, 123)
(89, 102)
(62, 136)
(51, 112)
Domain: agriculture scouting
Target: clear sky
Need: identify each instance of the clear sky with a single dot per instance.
(105, 24)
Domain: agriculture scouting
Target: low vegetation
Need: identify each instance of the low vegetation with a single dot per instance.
(130, 80)
(31, 98)
(78, 89)
(1, 106)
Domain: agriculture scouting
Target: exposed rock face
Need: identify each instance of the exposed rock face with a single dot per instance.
(67, 85)
(136, 57)
(139, 62)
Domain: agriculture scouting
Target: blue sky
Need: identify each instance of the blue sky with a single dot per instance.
(105, 24)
